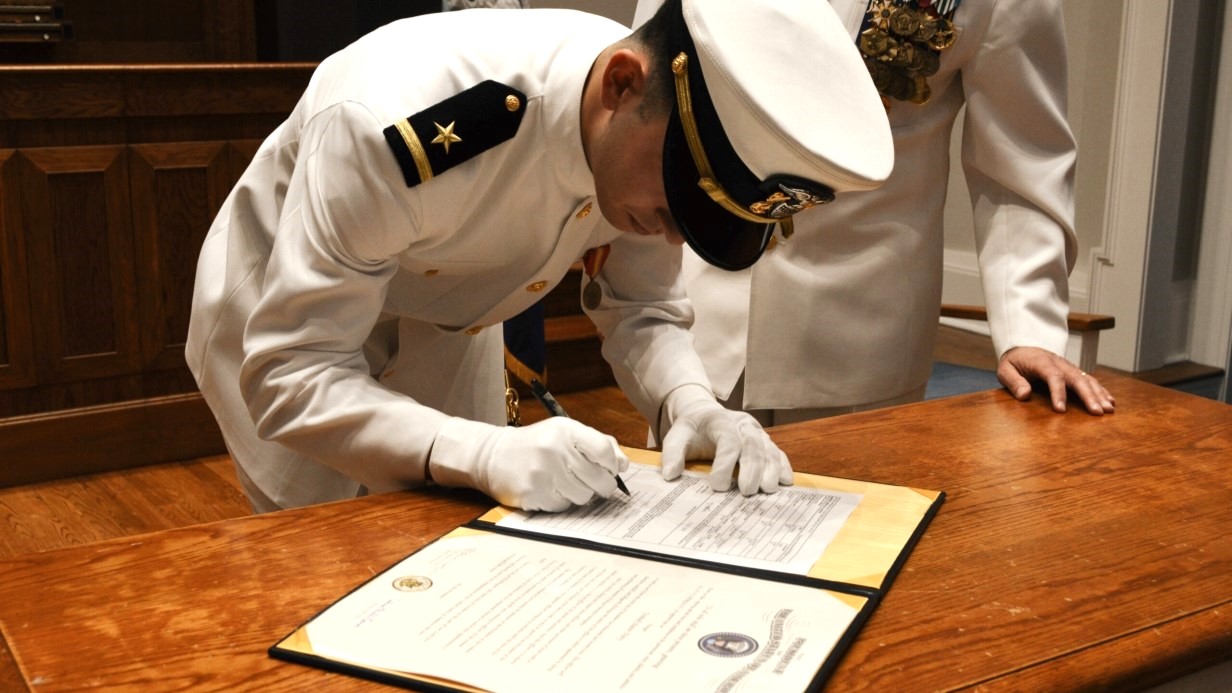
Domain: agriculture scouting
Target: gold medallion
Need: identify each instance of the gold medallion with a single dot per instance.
(412, 583)
(592, 262)
(901, 43)
(592, 295)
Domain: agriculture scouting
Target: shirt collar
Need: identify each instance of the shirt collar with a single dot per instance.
(562, 108)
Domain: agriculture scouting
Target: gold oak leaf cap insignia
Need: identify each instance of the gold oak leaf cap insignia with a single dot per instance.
(489, 113)
(754, 137)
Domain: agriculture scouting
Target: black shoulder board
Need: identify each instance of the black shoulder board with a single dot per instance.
(456, 129)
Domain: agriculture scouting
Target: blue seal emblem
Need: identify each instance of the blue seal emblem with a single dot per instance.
(728, 645)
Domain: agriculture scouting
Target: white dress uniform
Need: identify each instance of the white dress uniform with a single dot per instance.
(846, 312)
(341, 315)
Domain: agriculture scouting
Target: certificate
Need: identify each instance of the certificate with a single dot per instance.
(559, 619)
(675, 588)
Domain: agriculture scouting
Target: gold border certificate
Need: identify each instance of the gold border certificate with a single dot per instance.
(500, 612)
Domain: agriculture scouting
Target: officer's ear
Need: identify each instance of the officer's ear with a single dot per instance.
(624, 79)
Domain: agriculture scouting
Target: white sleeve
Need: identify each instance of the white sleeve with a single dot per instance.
(644, 319)
(1018, 157)
(304, 376)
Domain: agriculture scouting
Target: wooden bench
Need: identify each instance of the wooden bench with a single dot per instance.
(1084, 329)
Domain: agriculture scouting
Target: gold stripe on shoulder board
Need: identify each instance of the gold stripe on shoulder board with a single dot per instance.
(416, 148)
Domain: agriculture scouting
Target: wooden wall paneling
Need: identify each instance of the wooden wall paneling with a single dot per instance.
(177, 189)
(79, 239)
(45, 107)
(130, 31)
(35, 93)
(148, 31)
(193, 103)
(16, 346)
(219, 90)
(88, 440)
(63, 105)
(109, 178)
(29, 401)
(230, 31)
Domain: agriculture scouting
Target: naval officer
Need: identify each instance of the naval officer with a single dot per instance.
(443, 172)
(785, 350)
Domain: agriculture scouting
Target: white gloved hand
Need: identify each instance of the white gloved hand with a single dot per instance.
(550, 465)
(702, 429)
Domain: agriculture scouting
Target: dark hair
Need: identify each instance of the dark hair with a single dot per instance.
(653, 40)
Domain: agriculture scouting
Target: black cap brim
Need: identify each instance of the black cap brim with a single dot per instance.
(715, 234)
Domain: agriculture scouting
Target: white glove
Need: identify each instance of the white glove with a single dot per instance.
(702, 429)
(551, 465)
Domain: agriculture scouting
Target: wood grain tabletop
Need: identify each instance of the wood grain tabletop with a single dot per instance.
(1072, 553)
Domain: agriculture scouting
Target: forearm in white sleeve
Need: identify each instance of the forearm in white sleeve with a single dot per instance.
(304, 377)
(1018, 156)
(644, 318)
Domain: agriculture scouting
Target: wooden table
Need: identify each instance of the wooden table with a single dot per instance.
(1073, 552)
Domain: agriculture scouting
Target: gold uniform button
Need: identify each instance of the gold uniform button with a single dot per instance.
(432, 273)
(537, 286)
(475, 330)
(583, 212)
(512, 103)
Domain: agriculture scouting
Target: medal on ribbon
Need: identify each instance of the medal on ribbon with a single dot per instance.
(592, 262)
(901, 41)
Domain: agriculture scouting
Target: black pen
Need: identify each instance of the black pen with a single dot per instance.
(549, 402)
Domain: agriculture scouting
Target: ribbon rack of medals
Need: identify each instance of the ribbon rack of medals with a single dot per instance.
(902, 42)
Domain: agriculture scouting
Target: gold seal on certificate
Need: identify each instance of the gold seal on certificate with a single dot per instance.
(412, 583)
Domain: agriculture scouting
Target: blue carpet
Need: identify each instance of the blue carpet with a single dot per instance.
(1207, 387)
(948, 380)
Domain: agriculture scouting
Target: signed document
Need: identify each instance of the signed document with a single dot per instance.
(674, 588)
(786, 530)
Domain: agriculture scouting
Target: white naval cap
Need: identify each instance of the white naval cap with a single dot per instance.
(775, 113)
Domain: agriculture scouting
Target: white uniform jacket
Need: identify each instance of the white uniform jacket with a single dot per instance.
(846, 311)
(340, 317)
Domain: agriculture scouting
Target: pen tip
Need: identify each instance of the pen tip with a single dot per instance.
(620, 484)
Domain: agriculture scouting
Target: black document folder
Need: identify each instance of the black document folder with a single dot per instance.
(517, 602)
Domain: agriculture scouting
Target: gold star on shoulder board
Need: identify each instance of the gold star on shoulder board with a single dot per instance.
(445, 136)
(489, 112)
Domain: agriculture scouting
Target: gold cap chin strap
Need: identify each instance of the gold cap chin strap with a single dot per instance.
(708, 181)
